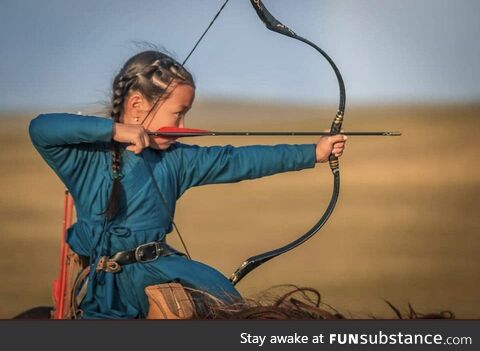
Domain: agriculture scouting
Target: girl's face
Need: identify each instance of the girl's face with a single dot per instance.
(168, 113)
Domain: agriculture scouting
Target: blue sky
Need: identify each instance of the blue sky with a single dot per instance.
(59, 53)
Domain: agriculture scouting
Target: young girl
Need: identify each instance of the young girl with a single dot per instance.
(125, 184)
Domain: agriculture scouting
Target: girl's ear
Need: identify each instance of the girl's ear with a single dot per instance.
(136, 101)
(135, 107)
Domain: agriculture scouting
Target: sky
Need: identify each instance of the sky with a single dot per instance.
(58, 53)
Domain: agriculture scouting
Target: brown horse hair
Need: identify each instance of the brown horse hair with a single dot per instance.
(284, 302)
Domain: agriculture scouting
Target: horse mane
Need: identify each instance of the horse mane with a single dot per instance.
(282, 302)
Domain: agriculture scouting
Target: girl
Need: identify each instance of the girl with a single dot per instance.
(125, 184)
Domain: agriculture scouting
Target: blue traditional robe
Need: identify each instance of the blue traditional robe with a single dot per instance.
(78, 149)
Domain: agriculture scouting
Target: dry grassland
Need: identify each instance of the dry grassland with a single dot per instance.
(406, 227)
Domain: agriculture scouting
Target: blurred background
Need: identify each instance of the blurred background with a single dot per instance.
(406, 227)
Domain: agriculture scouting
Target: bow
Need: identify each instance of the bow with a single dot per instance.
(274, 25)
(253, 262)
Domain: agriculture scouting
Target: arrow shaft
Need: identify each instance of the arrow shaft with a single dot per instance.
(210, 133)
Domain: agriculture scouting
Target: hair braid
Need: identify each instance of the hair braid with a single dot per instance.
(121, 84)
(149, 73)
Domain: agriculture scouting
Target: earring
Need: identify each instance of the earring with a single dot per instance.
(136, 119)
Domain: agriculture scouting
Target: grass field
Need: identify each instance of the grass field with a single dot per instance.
(406, 227)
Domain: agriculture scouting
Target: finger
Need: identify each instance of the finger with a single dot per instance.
(131, 148)
(138, 145)
(337, 138)
(146, 140)
(137, 149)
(143, 143)
(329, 130)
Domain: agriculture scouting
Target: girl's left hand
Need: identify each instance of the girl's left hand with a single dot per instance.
(330, 145)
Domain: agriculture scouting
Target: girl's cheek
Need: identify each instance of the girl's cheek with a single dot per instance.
(161, 143)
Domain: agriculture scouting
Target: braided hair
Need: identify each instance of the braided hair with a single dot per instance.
(149, 73)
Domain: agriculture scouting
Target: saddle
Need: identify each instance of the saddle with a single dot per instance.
(169, 301)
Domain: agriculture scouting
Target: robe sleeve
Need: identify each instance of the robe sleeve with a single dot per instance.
(68, 142)
(228, 164)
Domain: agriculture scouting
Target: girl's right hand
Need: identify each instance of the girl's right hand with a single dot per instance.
(133, 134)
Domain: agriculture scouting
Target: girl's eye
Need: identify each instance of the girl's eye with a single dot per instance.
(180, 114)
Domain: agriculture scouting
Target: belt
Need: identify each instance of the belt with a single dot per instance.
(142, 254)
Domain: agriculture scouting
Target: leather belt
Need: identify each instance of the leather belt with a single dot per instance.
(144, 253)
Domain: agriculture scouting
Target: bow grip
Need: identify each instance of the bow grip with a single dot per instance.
(334, 130)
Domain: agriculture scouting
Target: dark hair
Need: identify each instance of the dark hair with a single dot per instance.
(279, 302)
(149, 73)
(288, 302)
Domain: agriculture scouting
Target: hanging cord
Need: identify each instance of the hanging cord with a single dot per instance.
(165, 205)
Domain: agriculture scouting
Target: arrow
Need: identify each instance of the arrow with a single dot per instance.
(189, 132)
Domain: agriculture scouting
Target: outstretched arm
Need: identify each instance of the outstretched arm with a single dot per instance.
(228, 164)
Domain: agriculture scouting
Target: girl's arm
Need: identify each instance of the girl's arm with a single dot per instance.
(66, 142)
(57, 129)
(228, 164)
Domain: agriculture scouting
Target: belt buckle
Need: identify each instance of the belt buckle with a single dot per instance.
(147, 252)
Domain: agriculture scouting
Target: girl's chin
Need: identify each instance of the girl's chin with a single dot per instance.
(162, 145)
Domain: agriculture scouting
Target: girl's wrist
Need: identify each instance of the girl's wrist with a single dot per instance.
(115, 130)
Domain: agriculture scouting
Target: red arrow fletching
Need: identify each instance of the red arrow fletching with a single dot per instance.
(180, 132)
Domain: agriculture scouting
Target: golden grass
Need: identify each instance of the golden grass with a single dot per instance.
(405, 229)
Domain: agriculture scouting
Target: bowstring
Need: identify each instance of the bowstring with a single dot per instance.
(162, 198)
(185, 60)
(205, 32)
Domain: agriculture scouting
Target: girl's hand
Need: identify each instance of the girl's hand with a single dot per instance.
(330, 145)
(133, 134)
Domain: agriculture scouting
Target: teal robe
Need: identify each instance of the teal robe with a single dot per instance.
(78, 149)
